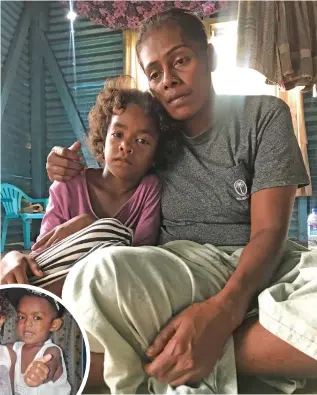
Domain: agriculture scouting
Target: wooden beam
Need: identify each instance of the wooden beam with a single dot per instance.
(66, 98)
(15, 51)
(302, 208)
(38, 126)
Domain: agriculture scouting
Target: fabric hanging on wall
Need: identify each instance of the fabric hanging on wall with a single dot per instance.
(294, 99)
(129, 14)
(256, 42)
(279, 39)
(297, 43)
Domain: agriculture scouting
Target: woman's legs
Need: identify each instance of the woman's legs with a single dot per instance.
(126, 296)
(257, 353)
(95, 377)
(260, 353)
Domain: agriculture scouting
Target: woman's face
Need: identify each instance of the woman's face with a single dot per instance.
(36, 319)
(131, 143)
(178, 72)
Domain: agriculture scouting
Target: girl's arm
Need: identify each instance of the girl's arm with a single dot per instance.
(56, 212)
(147, 229)
(64, 230)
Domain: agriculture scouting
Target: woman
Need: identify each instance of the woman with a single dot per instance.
(233, 184)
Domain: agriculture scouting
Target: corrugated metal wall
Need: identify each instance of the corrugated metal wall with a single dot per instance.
(99, 54)
(15, 125)
(310, 105)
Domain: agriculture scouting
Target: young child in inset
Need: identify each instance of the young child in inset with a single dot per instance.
(7, 355)
(40, 368)
(117, 204)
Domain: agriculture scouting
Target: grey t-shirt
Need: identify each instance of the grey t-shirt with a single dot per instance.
(206, 192)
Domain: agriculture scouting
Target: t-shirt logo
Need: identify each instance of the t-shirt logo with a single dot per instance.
(242, 190)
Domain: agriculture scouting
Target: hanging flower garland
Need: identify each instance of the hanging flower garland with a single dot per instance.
(129, 14)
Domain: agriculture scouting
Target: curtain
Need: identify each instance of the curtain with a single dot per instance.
(256, 44)
(279, 39)
(294, 99)
(131, 64)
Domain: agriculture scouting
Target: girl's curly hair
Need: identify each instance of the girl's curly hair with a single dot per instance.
(116, 95)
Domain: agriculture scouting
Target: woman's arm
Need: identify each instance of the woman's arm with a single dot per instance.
(147, 229)
(63, 164)
(271, 211)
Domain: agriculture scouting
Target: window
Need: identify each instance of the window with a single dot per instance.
(228, 79)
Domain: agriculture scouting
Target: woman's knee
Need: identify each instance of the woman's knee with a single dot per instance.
(98, 269)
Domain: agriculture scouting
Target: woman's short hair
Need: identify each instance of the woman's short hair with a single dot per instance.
(190, 25)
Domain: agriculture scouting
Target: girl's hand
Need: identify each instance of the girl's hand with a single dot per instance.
(62, 231)
(13, 268)
(37, 372)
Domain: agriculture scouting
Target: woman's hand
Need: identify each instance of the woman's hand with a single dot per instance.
(64, 230)
(187, 349)
(63, 164)
(13, 268)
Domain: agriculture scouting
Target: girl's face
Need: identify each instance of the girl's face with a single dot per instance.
(2, 319)
(131, 143)
(36, 319)
(178, 72)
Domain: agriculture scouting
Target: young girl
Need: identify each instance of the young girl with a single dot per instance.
(40, 368)
(118, 204)
(7, 355)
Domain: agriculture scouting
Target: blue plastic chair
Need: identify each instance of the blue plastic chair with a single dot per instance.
(11, 197)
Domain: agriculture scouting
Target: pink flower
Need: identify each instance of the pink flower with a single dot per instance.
(178, 4)
(111, 21)
(208, 8)
(140, 9)
(133, 21)
(103, 11)
(119, 8)
(193, 5)
(120, 5)
(147, 14)
(82, 8)
(158, 7)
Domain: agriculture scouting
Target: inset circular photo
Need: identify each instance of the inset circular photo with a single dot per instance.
(43, 350)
